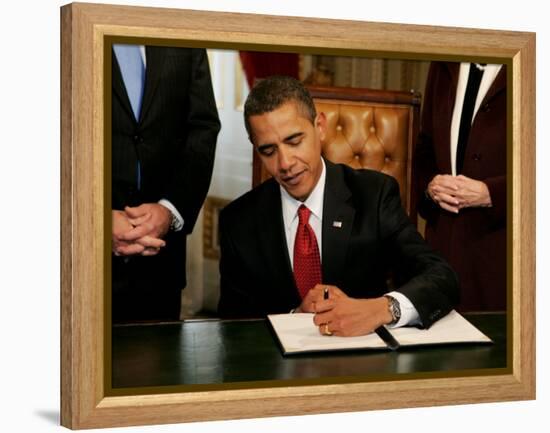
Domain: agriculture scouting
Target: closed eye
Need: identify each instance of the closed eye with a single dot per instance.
(295, 139)
(295, 142)
(266, 149)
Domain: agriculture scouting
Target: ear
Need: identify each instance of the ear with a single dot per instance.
(321, 125)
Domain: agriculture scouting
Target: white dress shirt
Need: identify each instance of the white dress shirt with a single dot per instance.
(490, 72)
(314, 202)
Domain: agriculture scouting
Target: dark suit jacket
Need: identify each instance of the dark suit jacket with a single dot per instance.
(175, 140)
(376, 237)
(474, 241)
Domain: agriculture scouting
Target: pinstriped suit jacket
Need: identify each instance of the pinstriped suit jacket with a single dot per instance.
(174, 139)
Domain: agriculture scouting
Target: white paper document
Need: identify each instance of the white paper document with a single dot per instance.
(297, 333)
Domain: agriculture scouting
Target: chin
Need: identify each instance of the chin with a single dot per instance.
(299, 194)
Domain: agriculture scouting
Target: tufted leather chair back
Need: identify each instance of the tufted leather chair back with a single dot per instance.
(367, 129)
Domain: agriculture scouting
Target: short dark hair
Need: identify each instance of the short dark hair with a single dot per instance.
(270, 93)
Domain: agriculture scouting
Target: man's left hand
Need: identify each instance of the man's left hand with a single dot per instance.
(150, 219)
(471, 192)
(347, 317)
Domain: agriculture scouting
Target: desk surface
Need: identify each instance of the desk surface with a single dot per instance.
(214, 352)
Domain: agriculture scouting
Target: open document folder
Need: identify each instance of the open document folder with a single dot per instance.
(298, 334)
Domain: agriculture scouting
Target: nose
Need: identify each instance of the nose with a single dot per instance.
(285, 158)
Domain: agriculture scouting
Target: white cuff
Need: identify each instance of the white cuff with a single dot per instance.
(179, 220)
(409, 315)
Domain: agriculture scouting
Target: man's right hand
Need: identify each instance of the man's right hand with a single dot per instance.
(342, 315)
(315, 295)
(145, 246)
(442, 190)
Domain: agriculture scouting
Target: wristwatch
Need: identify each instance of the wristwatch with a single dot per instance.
(173, 221)
(394, 309)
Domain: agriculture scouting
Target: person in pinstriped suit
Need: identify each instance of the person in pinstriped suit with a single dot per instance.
(164, 155)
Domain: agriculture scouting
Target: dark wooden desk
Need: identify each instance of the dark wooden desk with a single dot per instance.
(214, 352)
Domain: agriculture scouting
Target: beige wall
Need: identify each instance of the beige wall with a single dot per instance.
(405, 75)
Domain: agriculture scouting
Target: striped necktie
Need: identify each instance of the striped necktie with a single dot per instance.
(133, 73)
(132, 69)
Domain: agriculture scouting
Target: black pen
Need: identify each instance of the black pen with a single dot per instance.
(325, 296)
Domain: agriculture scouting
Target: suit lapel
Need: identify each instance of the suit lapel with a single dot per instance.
(338, 216)
(119, 88)
(154, 64)
(272, 237)
(498, 86)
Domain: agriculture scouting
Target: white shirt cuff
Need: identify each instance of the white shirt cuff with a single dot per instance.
(409, 315)
(179, 220)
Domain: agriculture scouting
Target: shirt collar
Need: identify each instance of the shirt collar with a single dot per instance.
(314, 202)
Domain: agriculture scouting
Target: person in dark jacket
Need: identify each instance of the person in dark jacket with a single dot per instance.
(459, 168)
(321, 237)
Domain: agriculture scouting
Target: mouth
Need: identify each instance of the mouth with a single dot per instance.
(294, 179)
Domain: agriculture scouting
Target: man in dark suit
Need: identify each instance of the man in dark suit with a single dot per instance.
(163, 144)
(460, 172)
(356, 233)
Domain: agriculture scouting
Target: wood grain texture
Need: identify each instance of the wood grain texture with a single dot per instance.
(83, 210)
(67, 385)
(524, 216)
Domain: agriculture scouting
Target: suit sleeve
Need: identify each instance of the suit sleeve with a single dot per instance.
(424, 162)
(497, 190)
(421, 274)
(191, 178)
(234, 301)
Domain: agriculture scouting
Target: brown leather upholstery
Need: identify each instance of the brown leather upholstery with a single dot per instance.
(367, 129)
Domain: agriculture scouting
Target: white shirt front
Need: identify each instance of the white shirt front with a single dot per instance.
(314, 202)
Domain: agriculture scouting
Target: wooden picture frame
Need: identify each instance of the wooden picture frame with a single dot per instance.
(84, 403)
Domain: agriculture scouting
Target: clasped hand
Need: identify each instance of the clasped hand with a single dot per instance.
(453, 193)
(344, 316)
(139, 230)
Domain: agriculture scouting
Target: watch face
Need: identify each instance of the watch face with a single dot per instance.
(395, 310)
